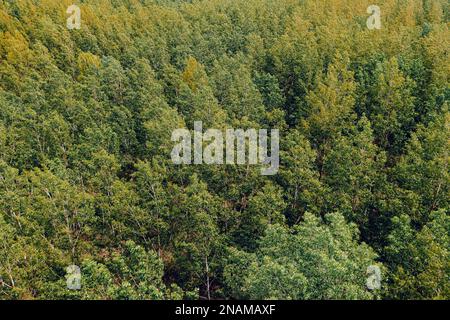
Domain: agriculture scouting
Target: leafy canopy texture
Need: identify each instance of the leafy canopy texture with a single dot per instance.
(86, 177)
(313, 260)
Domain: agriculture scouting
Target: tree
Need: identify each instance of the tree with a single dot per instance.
(419, 261)
(314, 260)
(422, 173)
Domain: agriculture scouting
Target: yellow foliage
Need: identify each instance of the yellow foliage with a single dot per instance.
(15, 48)
(87, 61)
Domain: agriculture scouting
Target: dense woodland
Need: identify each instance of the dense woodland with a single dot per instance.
(86, 177)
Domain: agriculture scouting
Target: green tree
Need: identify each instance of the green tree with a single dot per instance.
(419, 261)
(314, 260)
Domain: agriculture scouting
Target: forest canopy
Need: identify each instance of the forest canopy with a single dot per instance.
(86, 178)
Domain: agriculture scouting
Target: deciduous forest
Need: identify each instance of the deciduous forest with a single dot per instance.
(86, 178)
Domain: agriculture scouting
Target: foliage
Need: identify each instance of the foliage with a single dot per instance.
(86, 118)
